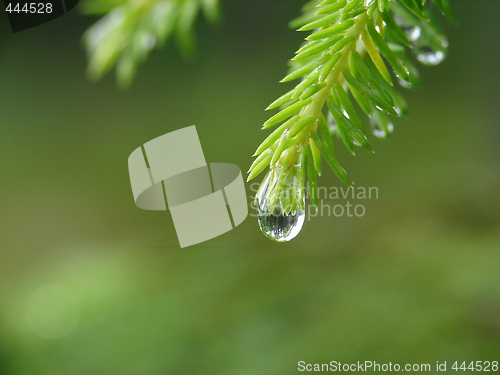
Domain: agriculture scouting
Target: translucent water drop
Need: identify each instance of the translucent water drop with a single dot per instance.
(281, 227)
(428, 42)
(275, 222)
(414, 78)
(404, 84)
(413, 33)
(377, 130)
(429, 45)
(332, 126)
(412, 30)
(431, 54)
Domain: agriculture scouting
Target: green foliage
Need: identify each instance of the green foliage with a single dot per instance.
(343, 63)
(130, 29)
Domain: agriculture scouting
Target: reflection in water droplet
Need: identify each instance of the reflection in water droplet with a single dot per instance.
(413, 33)
(281, 227)
(431, 54)
(430, 47)
(378, 129)
(428, 42)
(404, 84)
(332, 126)
(275, 222)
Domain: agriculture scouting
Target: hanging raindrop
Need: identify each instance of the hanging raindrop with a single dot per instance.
(332, 126)
(431, 53)
(413, 33)
(381, 127)
(281, 227)
(277, 221)
(428, 42)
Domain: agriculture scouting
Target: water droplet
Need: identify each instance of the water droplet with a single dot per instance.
(332, 126)
(414, 78)
(277, 223)
(281, 227)
(413, 33)
(377, 128)
(433, 54)
(428, 42)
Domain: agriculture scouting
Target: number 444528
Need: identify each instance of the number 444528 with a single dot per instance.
(31, 8)
(478, 366)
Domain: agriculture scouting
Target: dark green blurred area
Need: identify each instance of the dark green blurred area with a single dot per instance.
(415, 280)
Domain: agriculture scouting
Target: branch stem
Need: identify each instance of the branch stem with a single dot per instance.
(318, 99)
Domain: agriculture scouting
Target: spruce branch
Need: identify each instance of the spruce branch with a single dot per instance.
(130, 29)
(342, 63)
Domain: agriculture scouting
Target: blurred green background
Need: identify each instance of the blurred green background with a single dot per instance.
(90, 284)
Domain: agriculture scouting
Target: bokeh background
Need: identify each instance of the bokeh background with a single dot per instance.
(90, 284)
